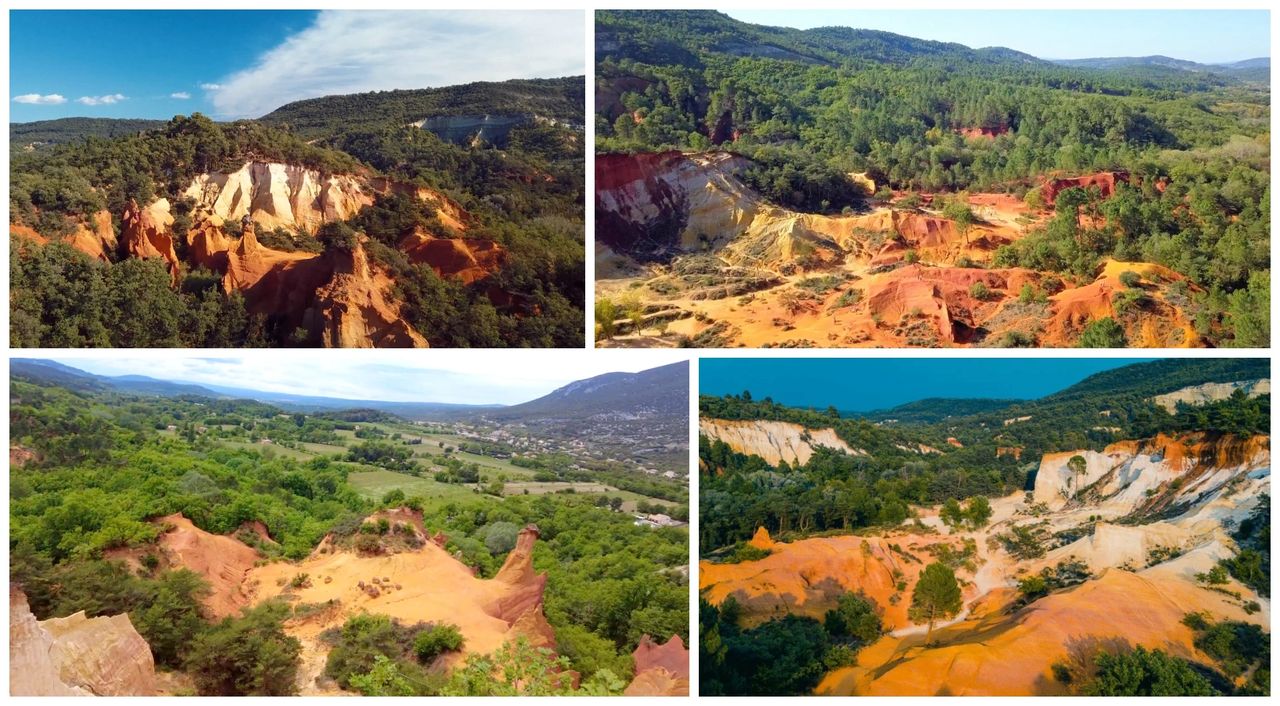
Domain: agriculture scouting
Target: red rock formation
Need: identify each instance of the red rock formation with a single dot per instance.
(145, 233)
(989, 133)
(660, 670)
(20, 456)
(354, 308)
(440, 539)
(517, 571)
(1014, 451)
(76, 655)
(222, 561)
(1104, 181)
(469, 260)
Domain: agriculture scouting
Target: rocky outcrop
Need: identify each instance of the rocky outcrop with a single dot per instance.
(1140, 475)
(76, 655)
(1104, 182)
(473, 129)
(469, 260)
(1161, 323)
(808, 576)
(645, 202)
(1014, 654)
(354, 309)
(421, 582)
(223, 562)
(1197, 395)
(660, 670)
(146, 232)
(523, 599)
(775, 442)
(96, 238)
(278, 195)
(297, 198)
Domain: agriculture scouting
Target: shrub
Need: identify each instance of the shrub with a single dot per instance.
(1130, 279)
(1103, 333)
(979, 291)
(436, 640)
(246, 656)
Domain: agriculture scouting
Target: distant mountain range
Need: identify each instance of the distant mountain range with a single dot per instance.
(1140, 381)
(657, 393)
(684, 37)
(1249, 69)
(558, 99)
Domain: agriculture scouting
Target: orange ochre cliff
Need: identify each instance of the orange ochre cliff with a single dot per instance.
(344, 297)
(411, 578)
(1149, 515)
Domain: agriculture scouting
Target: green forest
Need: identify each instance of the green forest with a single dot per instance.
(811, 106)
(526, 195)
(837, 491)
(103, 465)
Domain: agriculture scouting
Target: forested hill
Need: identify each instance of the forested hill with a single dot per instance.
(560, 99)
(917, 117)
(42, 133)
(1106, 407)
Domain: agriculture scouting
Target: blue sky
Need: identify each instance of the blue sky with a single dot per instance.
(1207, 36)
(866, 384)
(234, 64)
(457, 376)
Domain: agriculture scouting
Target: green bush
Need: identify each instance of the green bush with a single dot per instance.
(246, 656)
(436, 640)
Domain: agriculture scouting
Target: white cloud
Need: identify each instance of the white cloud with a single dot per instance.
(101, 100)
(180, 95)
(37, 99)
(355, 52)
(211, 86)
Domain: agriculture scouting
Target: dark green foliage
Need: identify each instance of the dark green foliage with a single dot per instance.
(246, 656)
(936, 596)
(1103, 333)
(1143, 672)
(388, 455)
(783, 657)
(171, 616)
(854, 620)
(63, 298)
(363, 639)
(435, 641)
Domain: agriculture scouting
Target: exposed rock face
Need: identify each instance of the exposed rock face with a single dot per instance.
(470, 260)
(1130, 475)
(145, 232)
(468, 129)
(644, 202)
(293, 197)
(1105, 182)
(1197, 395)
(660, 670)
(222, 561)
(1162, 324)
(354, 308)
(417, 584)
(280, 195)
(342, 295)
(773, 441)
(96, 238)
(523, 601)
(1014, 655)
(808, 576)
(75, 655)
